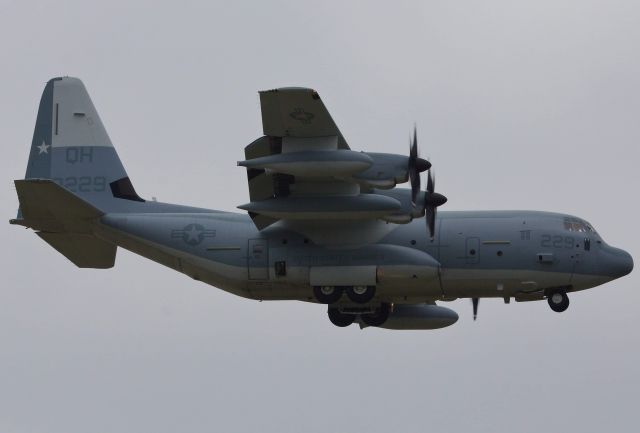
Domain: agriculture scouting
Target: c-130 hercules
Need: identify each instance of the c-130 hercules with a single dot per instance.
(325, 224)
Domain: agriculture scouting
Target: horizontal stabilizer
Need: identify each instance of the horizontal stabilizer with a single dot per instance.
(45, 205)
(84, 251)
(64, 221)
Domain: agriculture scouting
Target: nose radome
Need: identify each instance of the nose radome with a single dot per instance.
(627, 263)
(620, 263)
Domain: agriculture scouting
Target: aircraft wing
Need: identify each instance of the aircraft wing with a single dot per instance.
(297, 112)
(303, 169)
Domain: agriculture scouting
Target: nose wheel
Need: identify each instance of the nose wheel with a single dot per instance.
(558, 300)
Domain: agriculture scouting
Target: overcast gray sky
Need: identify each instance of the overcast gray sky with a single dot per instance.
(519, 104)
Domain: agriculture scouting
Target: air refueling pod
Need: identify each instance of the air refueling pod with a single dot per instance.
(421, 316)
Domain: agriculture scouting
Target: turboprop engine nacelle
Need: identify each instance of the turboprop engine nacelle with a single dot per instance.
(422, 316)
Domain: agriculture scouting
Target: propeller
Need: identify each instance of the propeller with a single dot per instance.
(416, 165)
(475, 302)
(432, 200)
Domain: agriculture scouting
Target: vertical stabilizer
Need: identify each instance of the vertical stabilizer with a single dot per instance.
(71, 147)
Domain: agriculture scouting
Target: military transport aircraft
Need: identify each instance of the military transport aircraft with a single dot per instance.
(324, 224)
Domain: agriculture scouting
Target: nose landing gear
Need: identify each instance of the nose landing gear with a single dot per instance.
(558, 300)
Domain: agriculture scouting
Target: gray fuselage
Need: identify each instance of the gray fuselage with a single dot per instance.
(519, 254)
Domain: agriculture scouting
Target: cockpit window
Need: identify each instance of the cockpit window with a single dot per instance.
(577, 225)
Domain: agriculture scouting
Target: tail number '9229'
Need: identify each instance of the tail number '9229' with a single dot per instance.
(83, 183)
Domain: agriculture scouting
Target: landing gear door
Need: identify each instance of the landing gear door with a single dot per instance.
(258, 259)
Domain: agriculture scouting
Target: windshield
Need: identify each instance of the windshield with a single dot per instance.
(577, 225)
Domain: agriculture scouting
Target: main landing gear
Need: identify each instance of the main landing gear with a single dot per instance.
(356, 294)
(340, 319)
(361, 294)
(328, 294)
(378, 317)
(375, 318)
(558, 300)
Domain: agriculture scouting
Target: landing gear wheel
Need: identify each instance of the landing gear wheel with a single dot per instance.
(327, 294)
(361, 294)
(379, 317)
(340, 319)
(558, 300)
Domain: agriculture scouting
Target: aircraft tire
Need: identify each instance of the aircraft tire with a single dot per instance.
(379, 317)
(326, 296)
(361, 294)
(558, 300)
(339, 319)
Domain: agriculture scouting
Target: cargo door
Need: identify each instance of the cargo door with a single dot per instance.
(258, 259)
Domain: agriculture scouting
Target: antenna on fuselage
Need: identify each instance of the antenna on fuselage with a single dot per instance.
(475, 302)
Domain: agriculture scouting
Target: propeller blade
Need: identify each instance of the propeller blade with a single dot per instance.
(431, 198)
(414, 179)
(416, 165)
(475, 302)
(430, 216)
(414, 174)
(414, 144)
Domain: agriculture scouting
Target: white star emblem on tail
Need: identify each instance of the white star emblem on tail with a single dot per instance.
(43, 148)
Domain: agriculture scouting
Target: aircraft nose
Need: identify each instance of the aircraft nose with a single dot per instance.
(627, 263)
(618, 263)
